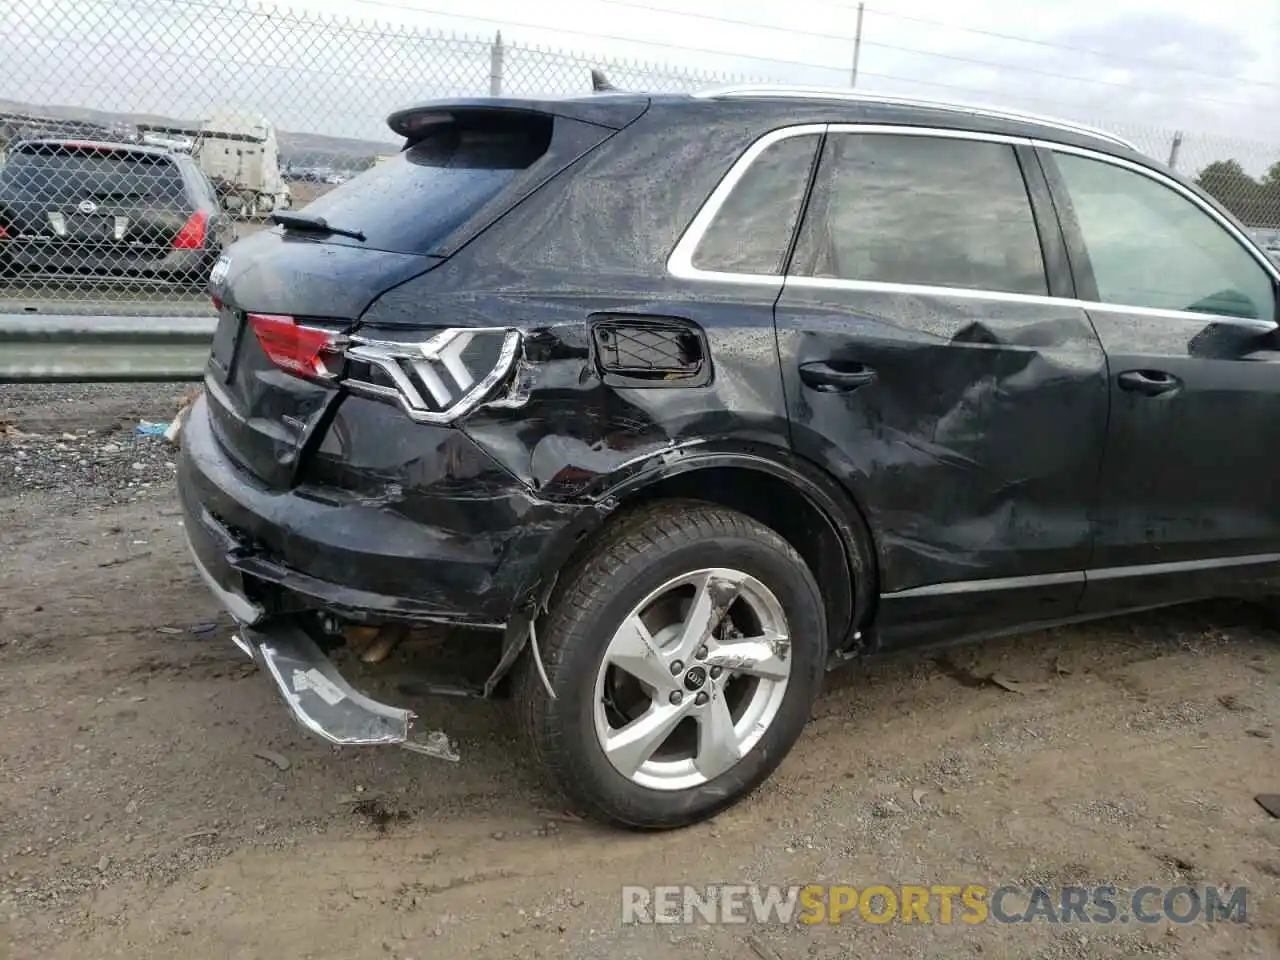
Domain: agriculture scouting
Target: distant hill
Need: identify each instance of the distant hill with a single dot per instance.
(295, 148)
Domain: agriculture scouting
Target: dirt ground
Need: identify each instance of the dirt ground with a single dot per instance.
(139, 819)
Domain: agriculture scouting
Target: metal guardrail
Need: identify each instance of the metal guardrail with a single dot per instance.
(46, 348)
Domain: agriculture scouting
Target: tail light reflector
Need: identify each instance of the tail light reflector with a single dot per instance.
(4, 234)
(308, 352)
(438, 380)
(191, 236)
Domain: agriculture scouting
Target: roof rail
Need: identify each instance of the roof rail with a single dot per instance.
(836, 93)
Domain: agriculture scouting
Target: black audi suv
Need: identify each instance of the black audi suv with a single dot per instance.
(681, 401)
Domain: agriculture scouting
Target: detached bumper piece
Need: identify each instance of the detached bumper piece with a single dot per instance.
(324, 703)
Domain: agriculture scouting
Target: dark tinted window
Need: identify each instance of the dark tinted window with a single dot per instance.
(72, 174)
(921, 210)
(1152, 247)
(414, 201)
(752, 230)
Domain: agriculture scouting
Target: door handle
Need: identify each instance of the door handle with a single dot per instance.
(1149, 383)
(825, 378)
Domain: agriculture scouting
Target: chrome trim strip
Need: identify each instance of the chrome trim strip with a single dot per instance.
(920, 289)
(1272, 270)
(941, 133)
(982, 586)
(1182, 566)
(763, 91)
(680, 262)
(1082, 577)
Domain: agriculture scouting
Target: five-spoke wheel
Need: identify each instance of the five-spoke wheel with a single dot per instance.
(683, 652)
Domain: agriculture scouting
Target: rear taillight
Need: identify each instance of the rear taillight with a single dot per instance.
(4, 234)
(434, 381)
(303, 351)
(191, 236)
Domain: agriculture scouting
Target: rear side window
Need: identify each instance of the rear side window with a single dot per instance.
(414, 201)
(923, 210)
(752, 231)
(1149, 246)
(73, 174)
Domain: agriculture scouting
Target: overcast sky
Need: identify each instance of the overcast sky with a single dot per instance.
(1142, 67)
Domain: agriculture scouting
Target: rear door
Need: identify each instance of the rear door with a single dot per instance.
(933, 358)
(1186, 310)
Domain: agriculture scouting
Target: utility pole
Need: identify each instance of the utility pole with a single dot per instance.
(497, 58)
(857, 46)
(1173, 150)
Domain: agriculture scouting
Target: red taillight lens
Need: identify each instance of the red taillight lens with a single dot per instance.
(302, 351)
(4, 234)
(191, 236)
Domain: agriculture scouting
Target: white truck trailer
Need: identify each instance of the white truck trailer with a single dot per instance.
(238, 150)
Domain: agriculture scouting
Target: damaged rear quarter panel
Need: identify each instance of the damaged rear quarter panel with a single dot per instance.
(566, 434)
(595, 241)
(473, 533)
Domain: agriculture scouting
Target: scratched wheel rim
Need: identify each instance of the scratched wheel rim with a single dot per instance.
(692, 678)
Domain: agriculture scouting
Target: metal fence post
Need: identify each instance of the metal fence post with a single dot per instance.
(497, 56)
(857, 47)
(1173, 150)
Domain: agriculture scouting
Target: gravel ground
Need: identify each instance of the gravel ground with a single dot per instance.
(159, 803)
(81, 441)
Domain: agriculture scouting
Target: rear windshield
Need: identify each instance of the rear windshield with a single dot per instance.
(413, 202)
(79, 173)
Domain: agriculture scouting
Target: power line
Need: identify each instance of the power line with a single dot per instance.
(504, 23)
(910, 50)
(1056, 46)
(501, 23)
(320, 20)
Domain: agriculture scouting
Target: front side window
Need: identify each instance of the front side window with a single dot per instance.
(752, 230)
(935, 211)
(1150, 246)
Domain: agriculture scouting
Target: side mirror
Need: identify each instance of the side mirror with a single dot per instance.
(1227, 340)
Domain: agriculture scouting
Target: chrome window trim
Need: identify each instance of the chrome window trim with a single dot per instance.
(763, 91)
(680, 262)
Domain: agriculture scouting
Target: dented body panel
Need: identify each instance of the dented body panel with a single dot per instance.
(434, 531)
(983, 477)
(976, 448)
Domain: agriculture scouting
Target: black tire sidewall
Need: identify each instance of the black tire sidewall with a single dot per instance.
(779, 569)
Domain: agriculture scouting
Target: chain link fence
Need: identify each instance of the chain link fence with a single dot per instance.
(140, 138)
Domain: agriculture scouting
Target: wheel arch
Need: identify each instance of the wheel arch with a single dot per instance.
(810, 511)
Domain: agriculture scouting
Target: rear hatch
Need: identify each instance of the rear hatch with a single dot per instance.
(286, 296)
(91, 207)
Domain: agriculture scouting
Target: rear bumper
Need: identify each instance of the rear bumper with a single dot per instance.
(269, 552)
(321, 700)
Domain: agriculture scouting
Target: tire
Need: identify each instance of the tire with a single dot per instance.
(638, 554)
